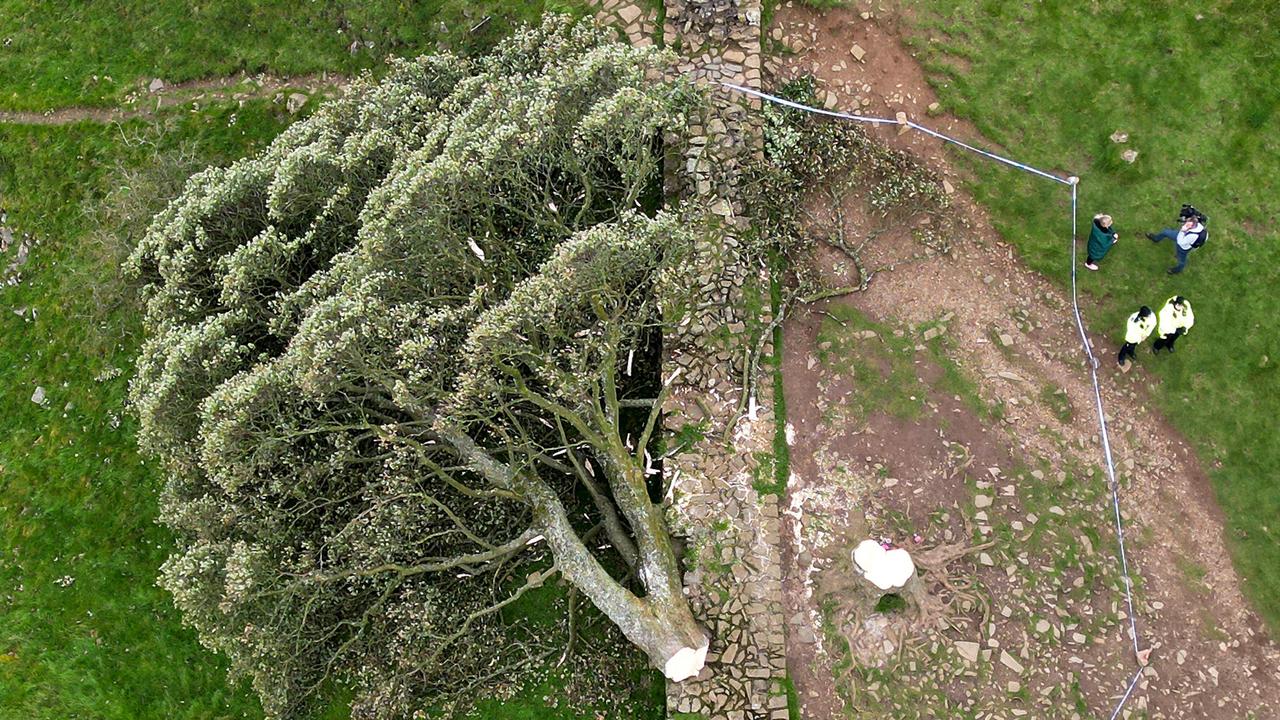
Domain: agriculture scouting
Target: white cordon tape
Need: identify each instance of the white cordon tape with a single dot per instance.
(1074, 183)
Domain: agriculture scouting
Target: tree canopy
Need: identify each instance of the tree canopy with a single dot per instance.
(403, 366)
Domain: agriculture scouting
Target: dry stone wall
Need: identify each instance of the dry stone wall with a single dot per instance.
(730, 531)
(638, 21)
(733, 577)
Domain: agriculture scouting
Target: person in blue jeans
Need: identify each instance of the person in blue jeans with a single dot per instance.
(1191, 234)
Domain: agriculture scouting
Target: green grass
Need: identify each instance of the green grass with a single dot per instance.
(781, 465)
(77, 506)
(55, 53)
(1198, 98)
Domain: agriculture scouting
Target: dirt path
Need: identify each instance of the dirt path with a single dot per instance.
(1008, 331)
(144, 102)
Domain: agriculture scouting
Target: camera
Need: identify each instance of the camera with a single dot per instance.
(1190, 213)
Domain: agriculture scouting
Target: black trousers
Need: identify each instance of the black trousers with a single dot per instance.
(1128, 350)
(1166, 341)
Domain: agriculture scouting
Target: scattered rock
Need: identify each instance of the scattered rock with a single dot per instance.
(948, 188)
(1010, 662)
(857, 52)
(982, 501)
(968, 650)
(156, 86)
(295, 102)
(1006, 339)
(37, 397)
(1129, 155)
(1119, 137)
(1042, 626)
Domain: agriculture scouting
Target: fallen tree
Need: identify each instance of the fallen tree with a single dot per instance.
(402, 368)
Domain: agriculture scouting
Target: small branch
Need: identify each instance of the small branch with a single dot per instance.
(638, 403)
(535, 580)
(573, 625)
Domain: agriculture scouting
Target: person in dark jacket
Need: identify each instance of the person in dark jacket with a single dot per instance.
(1191, 234)
(1102, 235)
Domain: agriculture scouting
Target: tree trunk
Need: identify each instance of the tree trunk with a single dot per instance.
(661, 623)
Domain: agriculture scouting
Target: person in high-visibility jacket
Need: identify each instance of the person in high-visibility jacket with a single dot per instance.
(1176, 319)
(1136, 330)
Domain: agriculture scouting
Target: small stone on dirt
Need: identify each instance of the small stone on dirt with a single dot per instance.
(1010, 662)
(156, 86)
(1042, 626)
(948, 188)
(857, 52)
(1057, 511)
(1006, 339)
(982, 501)
(968, 650)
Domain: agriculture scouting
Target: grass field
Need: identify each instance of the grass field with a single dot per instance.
(55, 54)
(1196, 86)
(84, 631)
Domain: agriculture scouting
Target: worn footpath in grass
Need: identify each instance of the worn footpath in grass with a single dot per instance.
(1045, 585)
(1196, 86)
(882, 359)
(55, 53)
(84, 631)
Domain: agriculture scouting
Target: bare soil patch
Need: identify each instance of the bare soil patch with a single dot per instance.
(993, 427)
